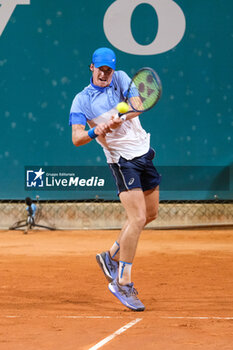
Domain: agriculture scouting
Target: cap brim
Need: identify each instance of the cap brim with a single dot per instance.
(105, 63)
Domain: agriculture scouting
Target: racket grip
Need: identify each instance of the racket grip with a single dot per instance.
(122, 116)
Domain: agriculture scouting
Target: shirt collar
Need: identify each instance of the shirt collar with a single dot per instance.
(99, 88)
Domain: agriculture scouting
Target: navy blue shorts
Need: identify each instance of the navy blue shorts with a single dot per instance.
(138, 172)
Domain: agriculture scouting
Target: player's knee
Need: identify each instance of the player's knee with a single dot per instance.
(140, 220)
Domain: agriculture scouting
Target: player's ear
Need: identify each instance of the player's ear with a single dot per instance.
(92, 67)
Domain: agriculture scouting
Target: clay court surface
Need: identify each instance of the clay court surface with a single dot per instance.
(54, 296)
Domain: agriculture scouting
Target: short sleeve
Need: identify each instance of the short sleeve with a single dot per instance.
(77, 111)
(77, 118)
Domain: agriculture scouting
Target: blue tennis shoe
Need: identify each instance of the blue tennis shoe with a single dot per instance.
(107, 265)
(127, 295)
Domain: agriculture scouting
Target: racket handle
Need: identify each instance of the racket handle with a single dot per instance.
(119, 115)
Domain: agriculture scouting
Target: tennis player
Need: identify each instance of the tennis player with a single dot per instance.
(31, 209)
(127, 148)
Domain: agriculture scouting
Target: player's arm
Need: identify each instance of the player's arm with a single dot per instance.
(131, 115)
(80, 136)
(123, 81)
(116, 121)
(134, 101)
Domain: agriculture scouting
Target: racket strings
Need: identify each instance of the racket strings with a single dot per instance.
(145, 90)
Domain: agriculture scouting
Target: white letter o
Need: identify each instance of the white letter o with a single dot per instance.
(171, 26)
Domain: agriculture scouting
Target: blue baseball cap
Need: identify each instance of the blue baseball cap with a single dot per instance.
(104, 57)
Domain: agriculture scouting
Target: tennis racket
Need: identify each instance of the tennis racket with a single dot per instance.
(144, 91)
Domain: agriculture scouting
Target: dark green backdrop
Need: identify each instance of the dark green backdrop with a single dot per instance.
(45, 50)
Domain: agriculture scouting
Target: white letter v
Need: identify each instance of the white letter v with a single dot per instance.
(6, 9)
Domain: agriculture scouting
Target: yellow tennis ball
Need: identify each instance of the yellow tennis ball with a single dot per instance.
(122, 107)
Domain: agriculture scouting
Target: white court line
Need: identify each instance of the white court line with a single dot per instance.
(120, 317)
(197, 317)
(86, 317)
(113, 335)
(62, 316)
(163, 317)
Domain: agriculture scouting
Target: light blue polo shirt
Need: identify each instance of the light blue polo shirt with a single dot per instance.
(93, 101)
(33, 207)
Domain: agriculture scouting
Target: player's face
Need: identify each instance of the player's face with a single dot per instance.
(102, 76)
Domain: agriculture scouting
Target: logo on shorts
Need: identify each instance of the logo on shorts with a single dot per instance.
(131, 181)
(35, 178)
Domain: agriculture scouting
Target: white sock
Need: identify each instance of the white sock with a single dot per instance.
(115, 249)
(124, 272)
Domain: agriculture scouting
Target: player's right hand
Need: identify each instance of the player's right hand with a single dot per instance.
(102, 129)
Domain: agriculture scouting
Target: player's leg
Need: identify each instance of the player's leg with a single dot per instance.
(152, 204)
(126, 293)
(115, 249)
(134, 203)
(136, 207)
(108, 260)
